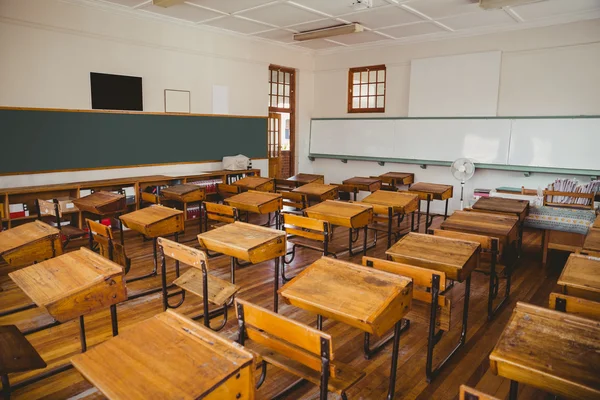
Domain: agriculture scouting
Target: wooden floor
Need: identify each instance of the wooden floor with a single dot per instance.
(531, 283)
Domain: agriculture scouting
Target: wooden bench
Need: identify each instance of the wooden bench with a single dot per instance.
(574, 305)
(51, 208)
(197, 280)
(295, 348)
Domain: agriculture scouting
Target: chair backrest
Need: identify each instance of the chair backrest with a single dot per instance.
(574, 305)
(107, 246)
(310, 228)
(228, 190)
(346, 192)
(47, 208)
(467, 393)
(284, 184)
(388, 184)
(219, 212)
(182, 253)
(296, 341)
(297, 201)
(486, 242)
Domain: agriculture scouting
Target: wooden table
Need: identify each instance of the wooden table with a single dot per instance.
(402, 203)
(456, 258)
(396, 179)
(16, 355)
(70, 286)
(258, 202)
(28, 243)
(581, 277)
(349, 215)
(365, 298)
(519, 208)
(103, 204)
(591, 245)
(185, 361)
(256, 183)
(317, 191)
(551, 350)
(503, 227)
(152, 222)
(363, 183)
(251, 243)
(429, 192)
(303, 179)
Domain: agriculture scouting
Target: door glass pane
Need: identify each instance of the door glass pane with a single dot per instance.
(364, 76)
(380, 88)
(371, 101)
(356, 78)
(363, 102)
(280, 92)
(372, 76)
(286, 102)
(380, 102)
(287, 78)
(356, 90)
(380, 76)
(281, 77)
(273, 76)
(364, 90)
(355, 102)
(372, 89)
(286, 90)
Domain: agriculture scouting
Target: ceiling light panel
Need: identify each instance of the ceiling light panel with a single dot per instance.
(182, 11)
(281, 14)
(230, 6)
(420, 28)
(375, 18)
(335, 7)
(444, 8)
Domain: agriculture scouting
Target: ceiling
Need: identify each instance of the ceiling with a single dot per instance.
(388, 21)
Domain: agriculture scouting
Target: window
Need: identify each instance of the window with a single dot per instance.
(366, 89)
(281, 90)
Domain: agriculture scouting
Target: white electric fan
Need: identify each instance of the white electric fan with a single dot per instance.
(463, 170)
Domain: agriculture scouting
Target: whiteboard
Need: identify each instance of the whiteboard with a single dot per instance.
(465, 85)
(557, 143)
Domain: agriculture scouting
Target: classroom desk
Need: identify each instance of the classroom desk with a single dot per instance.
(456, 258)
(152, 222)
(28, 243)
(396, 179)
(341, 213)
(256, 183)
(551, 350)
(251, 243)
(503, 227)
(317, 192)
(500, 205)
(16, 355)
(368, 299)
(363, 183)
(103, 204)
(185, 361)
(258, 203)
(402, 203)
(591, 245)
(184, 193)
(72, 285)
(303, 179)
(429, 192)
(581, 277)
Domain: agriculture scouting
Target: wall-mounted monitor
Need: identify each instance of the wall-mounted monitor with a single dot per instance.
(116, 92)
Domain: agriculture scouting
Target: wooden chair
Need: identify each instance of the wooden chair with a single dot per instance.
(346, 192)
(196, 280)
(294, 203)
(294, 347)
(467, 393)
(284, 184)
(574, 305)
(390, 185)
(107, 246)
(51, 208)
(429, 304)
(309, 233)
(225, 191)
(489, 264)
(216, 215)
(383, 221)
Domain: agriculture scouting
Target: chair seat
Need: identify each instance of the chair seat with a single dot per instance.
(420, 313)
(71, 231)
(314, 244)
(219, 290)
(345, 378)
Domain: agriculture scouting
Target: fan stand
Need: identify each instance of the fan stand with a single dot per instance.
(462, 191)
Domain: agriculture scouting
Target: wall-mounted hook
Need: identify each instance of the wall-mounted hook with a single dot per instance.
(423, 166)
(381, 163)
(344, 161)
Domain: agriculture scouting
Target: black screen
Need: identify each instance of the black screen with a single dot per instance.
(116, 92)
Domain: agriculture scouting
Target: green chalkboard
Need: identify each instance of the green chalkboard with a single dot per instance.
(36, 140)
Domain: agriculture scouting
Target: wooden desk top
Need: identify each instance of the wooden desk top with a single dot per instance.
(581, 277)
(403, 202)
(154, 221)
(252, 182)
(73, 284)
(258, 202)
(185, 361)
(438, 191)
(306, 178)
(25, 234)
(592, 240)
(16, 353)
(502, 205)
(366, 298)
(364, 183)
(315, 189)
(245, 241)
(551, 350)
(402, 178)
(457, 258)
(181, 189)
(184, 193)
(503, 227)
(101, 203)
(350, 215)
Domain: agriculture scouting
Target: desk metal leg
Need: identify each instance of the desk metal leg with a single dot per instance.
(276, 286)
(520, 244)
(365, 247)
(319, 322)
(394, 367)
(113, 319)
(446, 210)
(5, 387)
(514, 390)
(427, 223)
(412, 221)
(371, 351)
(419, 216)
(232, 262)
(82, 334)
(121, 230)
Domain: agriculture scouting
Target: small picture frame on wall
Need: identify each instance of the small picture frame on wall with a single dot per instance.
(177, 101)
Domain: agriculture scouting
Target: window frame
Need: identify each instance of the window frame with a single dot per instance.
(351, 96)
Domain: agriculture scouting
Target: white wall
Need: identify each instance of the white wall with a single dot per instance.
(48, 48)
(545, 71)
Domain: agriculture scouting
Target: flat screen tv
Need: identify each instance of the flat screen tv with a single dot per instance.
(116, 92)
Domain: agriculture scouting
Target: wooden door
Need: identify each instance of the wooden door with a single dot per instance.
(274, 148)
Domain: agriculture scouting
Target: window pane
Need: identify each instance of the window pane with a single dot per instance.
(372, 89)
(355, 102)
(364, 76)
(364, 90)
(280, 92)
(286, 90)
(286, 78)
(363, 102)
(356, 78)
(273, 76)
(281, 77)
(286, 102)
(356, 90)
(273, 88)
(380, 76)
(380, 88)
(380, 103)
(372, 76)
(371, 101)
